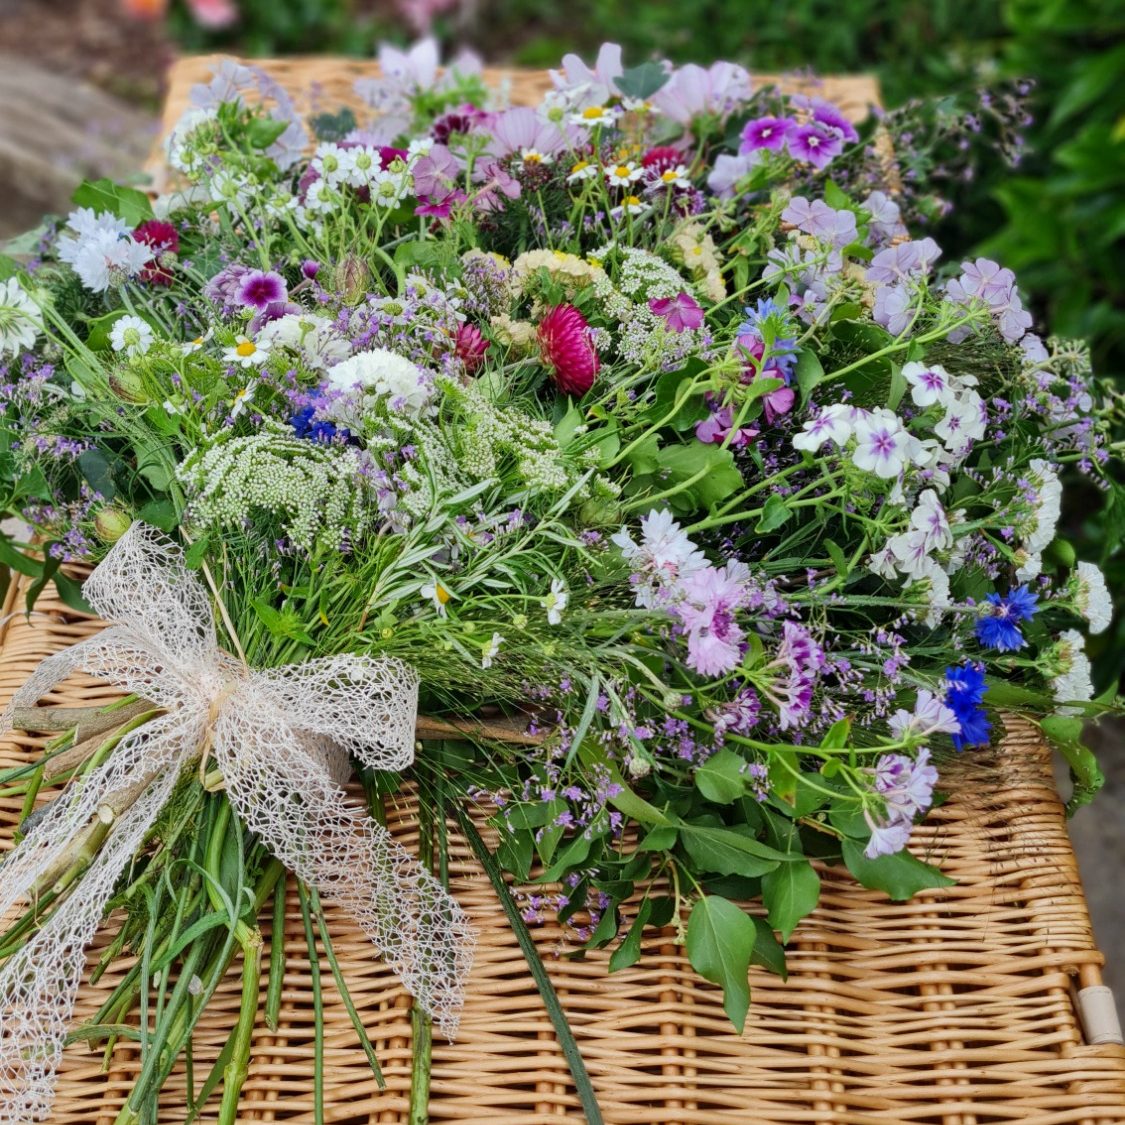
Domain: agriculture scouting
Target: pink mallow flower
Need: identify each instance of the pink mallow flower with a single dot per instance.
(680, 313)
(568, 349)
(709, 599)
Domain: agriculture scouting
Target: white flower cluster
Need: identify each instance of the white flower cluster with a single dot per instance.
(20, 319)
(1091, 597)
(382, 375)
(644, 276)
(1072, 683)
(312, 337)
(101, 249)
(340, 171)
(1040, 519)
(315, 490)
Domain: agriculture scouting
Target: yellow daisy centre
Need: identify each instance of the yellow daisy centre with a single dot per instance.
(441, 593)
(246, 348)
(622, 170)
(581, 166)
(593, 112)
(670, 176)
(633, 201)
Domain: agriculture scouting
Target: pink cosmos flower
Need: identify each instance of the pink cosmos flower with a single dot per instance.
(680, 313)
(599, 82)
(568, 349)
(692, 92)
(520, 130)
(213, 14)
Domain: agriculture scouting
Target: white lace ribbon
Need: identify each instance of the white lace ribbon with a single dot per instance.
(279, 736)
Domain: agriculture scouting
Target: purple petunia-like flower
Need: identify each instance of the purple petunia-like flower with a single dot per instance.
(680, 313)
(765, 133)
(258, 289)
(713, 430)
(815, 144)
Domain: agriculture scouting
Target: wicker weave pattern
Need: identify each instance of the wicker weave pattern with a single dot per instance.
(953, 1009)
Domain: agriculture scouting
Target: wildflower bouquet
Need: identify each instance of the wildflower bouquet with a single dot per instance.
(621, 467)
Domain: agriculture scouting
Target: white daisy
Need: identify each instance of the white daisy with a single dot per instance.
(131, 335)
(246, 353)
(675, 177)
(242, 399)
(20, 319)
(593, 116)
(583, 170)
(556, 601)
(529, 157)
(624, 174)
(197, 343)
(436, 593)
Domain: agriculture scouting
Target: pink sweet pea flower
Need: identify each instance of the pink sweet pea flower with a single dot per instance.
(680, 313)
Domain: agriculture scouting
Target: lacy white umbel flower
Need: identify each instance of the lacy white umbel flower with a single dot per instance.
(131, 335)
(555, 602)
(1073, 683)
(1091, 597)
(405, 386)
(20, 319)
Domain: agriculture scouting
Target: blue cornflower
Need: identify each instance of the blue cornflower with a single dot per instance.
(304, 426)
(782, 353)
(964, 692)
(1000, 628)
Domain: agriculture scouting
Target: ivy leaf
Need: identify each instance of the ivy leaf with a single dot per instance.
(720, 940)
(98, 473)
(809, 372)
(728, 852)
(790, 891)
(774, 513)
(104, 195)
(629, 951)
(900, 876)
(642, 81)
(722, 778)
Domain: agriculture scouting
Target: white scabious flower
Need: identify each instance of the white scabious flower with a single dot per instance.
(20, 319)
(1048, 507)
(490, 650)
(1091, 597)
(556, 601)
(1072, 684)
(131, 335)
(937, 590)
(406, 387)
(313, 337)
(107, 258)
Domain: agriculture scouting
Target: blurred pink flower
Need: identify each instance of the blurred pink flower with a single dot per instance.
(214, 14)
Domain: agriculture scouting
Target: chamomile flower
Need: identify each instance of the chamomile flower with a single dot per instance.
(530, 157)
(490, 650)
(583, 170)
(246, 353)
(556, 601)
(624, 174)
(632, 205)
(593, 116)
(131, 335)
(242, 399)
(196, 343)
(675, 177)
(20, 319)
(436, 593)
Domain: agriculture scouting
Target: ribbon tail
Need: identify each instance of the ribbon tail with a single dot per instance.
(289, 799)
(39, 983)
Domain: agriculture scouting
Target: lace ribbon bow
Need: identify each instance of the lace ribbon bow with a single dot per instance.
(280, 738)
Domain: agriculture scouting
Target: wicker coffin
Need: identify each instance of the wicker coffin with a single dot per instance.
(958, 1008)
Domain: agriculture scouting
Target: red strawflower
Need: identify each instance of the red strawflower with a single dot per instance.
(470, 347)
(164, 240)
(662, 157)
(568, 349)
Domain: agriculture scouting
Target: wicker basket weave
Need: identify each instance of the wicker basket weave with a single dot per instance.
(957, 1008)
